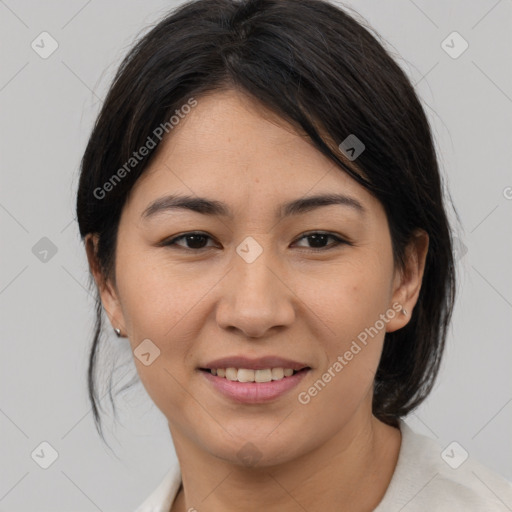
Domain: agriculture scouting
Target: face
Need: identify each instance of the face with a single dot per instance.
(310, 287)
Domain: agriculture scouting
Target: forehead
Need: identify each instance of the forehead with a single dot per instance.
(231, 147)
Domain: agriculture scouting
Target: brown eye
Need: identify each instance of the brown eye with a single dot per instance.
(192, 241)
(318, 240)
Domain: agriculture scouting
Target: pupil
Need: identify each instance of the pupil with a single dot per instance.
(193, 241)
(316, 238)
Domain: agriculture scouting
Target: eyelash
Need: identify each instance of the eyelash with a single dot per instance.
(338, 241)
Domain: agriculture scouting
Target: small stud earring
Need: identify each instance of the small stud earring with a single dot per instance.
(117, 331)
(404, 311)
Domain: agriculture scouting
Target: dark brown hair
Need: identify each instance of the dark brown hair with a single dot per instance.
(315, 66)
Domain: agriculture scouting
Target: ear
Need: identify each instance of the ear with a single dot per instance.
(407, 282)
(108, 293)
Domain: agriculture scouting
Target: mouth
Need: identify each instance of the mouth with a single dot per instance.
(253, 381)
(255, 376)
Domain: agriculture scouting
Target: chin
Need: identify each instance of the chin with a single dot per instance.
(254, 449)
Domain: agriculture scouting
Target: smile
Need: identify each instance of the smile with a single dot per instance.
(249, 386)
(248, 375)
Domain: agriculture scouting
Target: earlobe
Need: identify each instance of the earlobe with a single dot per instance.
(408, 281)
(106, 290)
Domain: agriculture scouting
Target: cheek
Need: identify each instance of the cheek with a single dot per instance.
(350, 297)
(158, 296)
(349, 308)
(349, 302)
(159, 305)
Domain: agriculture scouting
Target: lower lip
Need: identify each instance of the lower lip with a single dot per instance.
(254, 392)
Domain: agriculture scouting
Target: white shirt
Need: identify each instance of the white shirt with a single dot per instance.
(422, 482)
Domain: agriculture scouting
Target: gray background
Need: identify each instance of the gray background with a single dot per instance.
(48, 108)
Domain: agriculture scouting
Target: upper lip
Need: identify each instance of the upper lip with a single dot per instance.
(260, 363)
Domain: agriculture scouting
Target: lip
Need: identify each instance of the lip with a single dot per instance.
(260, 363)
(254, 392)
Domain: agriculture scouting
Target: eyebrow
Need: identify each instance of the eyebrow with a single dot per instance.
(212, 207)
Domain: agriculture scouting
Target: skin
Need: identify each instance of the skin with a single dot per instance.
(331, 454)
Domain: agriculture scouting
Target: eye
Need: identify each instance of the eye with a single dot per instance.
(194, 241)
(318, 240)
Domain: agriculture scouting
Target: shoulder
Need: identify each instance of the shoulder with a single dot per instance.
(428, 477)
(161, 499)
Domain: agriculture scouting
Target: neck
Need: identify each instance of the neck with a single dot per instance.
(349, 472)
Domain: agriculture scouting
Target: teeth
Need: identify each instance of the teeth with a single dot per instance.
(244, 375)
(263, 375)
(277, 373)
(231, 374)
(247, 375)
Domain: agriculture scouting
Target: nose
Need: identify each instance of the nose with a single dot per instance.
(256, 296)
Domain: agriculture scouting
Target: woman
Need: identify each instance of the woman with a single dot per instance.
(263, 215)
